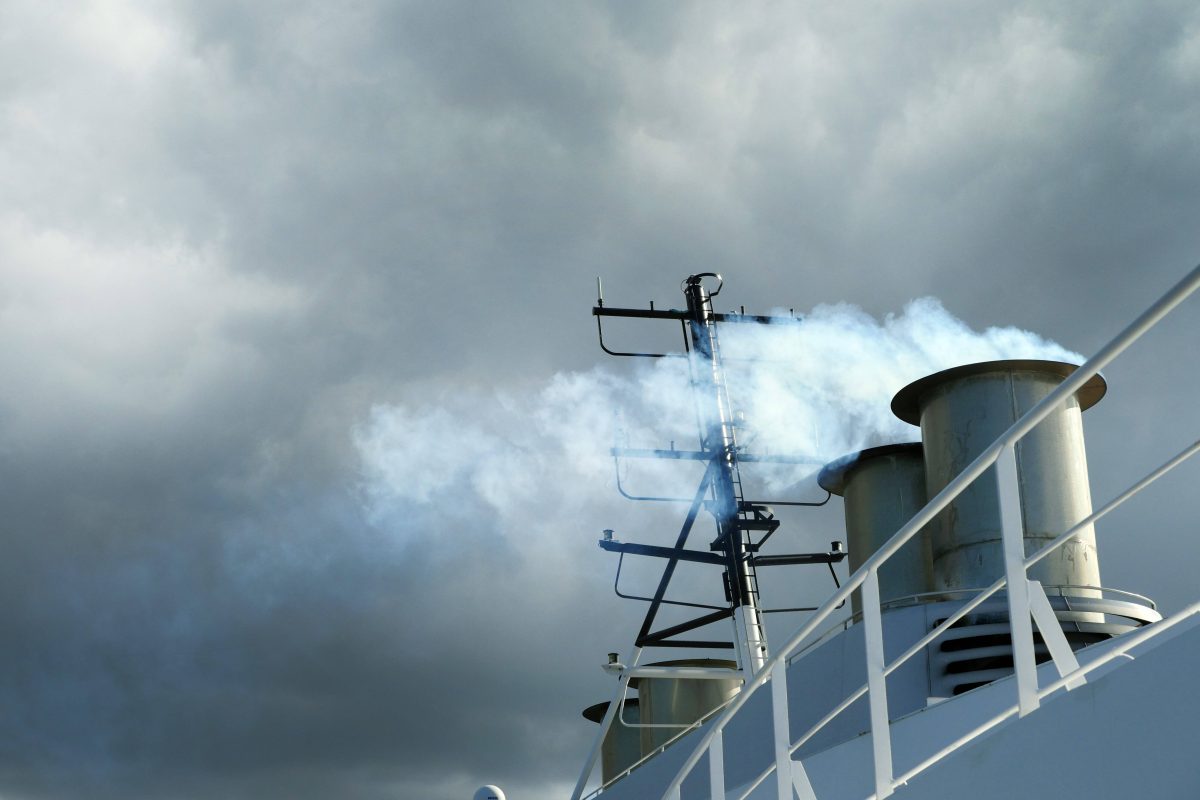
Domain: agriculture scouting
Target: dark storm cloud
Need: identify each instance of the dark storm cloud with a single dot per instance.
(227, 230)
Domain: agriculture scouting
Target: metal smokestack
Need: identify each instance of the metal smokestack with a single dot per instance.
(963, 410)
(622, 746)
(883, 487)
(680, 702)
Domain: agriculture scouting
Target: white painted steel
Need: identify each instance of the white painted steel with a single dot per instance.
(1052, 633)
(973, 603)
(1129, 642)
(801, 783)
(783, 735)
(980, 598)
(1105, 594)
(739, 640)
(1013, 534)
(881, 734)
(1022, 426)
(756, 644)
(685, 673)
(688, 673)
(716, 767)
(594, 753)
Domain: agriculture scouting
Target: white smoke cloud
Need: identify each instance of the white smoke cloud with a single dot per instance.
(823, 388)
(532, 463)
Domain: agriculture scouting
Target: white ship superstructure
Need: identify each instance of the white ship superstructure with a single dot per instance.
(984, 657)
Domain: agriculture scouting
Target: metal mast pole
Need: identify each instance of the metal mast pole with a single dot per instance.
(717, 438)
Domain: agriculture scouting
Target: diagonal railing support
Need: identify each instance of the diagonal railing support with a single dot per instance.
(1052, 634)
(801, 783)
(1012, 532)
(1075, 678)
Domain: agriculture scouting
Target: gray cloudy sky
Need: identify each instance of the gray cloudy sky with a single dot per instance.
(228, 231)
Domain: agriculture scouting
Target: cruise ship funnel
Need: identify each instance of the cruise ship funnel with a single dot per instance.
(883, 487)
(961, 411)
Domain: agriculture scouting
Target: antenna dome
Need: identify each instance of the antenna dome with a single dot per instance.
(489, 792)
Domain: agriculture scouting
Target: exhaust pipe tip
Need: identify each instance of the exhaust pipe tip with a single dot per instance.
(907, 403)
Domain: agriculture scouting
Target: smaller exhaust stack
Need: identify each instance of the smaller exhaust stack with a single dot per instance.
(622, 745)
(663, 709)
(678, 702)
(883, 488)
(963, 410)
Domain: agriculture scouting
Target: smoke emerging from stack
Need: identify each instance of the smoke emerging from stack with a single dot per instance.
(818, 388)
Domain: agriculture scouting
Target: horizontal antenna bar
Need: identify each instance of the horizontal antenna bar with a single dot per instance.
(649, 313)
(704, 455)
(761, 319)
(674, 313)
(661, 552)
(798, 558)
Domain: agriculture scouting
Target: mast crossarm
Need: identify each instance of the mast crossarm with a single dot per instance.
(662, 552)
(658, 637)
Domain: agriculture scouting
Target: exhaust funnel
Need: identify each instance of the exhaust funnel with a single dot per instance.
(883, 487)
(963, 410)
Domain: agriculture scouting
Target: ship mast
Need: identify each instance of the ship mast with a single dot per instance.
(718, 438)
(720, 491)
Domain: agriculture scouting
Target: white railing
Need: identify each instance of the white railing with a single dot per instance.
(1027, 602)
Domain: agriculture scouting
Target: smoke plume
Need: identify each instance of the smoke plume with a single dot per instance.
(818, 388)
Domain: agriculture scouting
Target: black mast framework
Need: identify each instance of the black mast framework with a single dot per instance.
(719, 492)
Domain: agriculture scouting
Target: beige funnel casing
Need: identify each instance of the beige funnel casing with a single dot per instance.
(673, 703)
(678, 702)
(963, 410)
(622, 746)
(883, 487)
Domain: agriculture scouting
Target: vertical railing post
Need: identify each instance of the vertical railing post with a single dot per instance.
(783, 732)
(716, 767)
(1012, 532)
(881, 732)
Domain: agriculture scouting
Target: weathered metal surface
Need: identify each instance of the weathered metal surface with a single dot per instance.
(622, 747)
(961, 412)
(679, 702)
(883, 487)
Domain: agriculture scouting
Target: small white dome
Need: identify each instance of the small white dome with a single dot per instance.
(489, 792)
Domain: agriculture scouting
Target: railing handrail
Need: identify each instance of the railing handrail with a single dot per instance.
(1128, 643)
(978, 599)
(970, 473)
